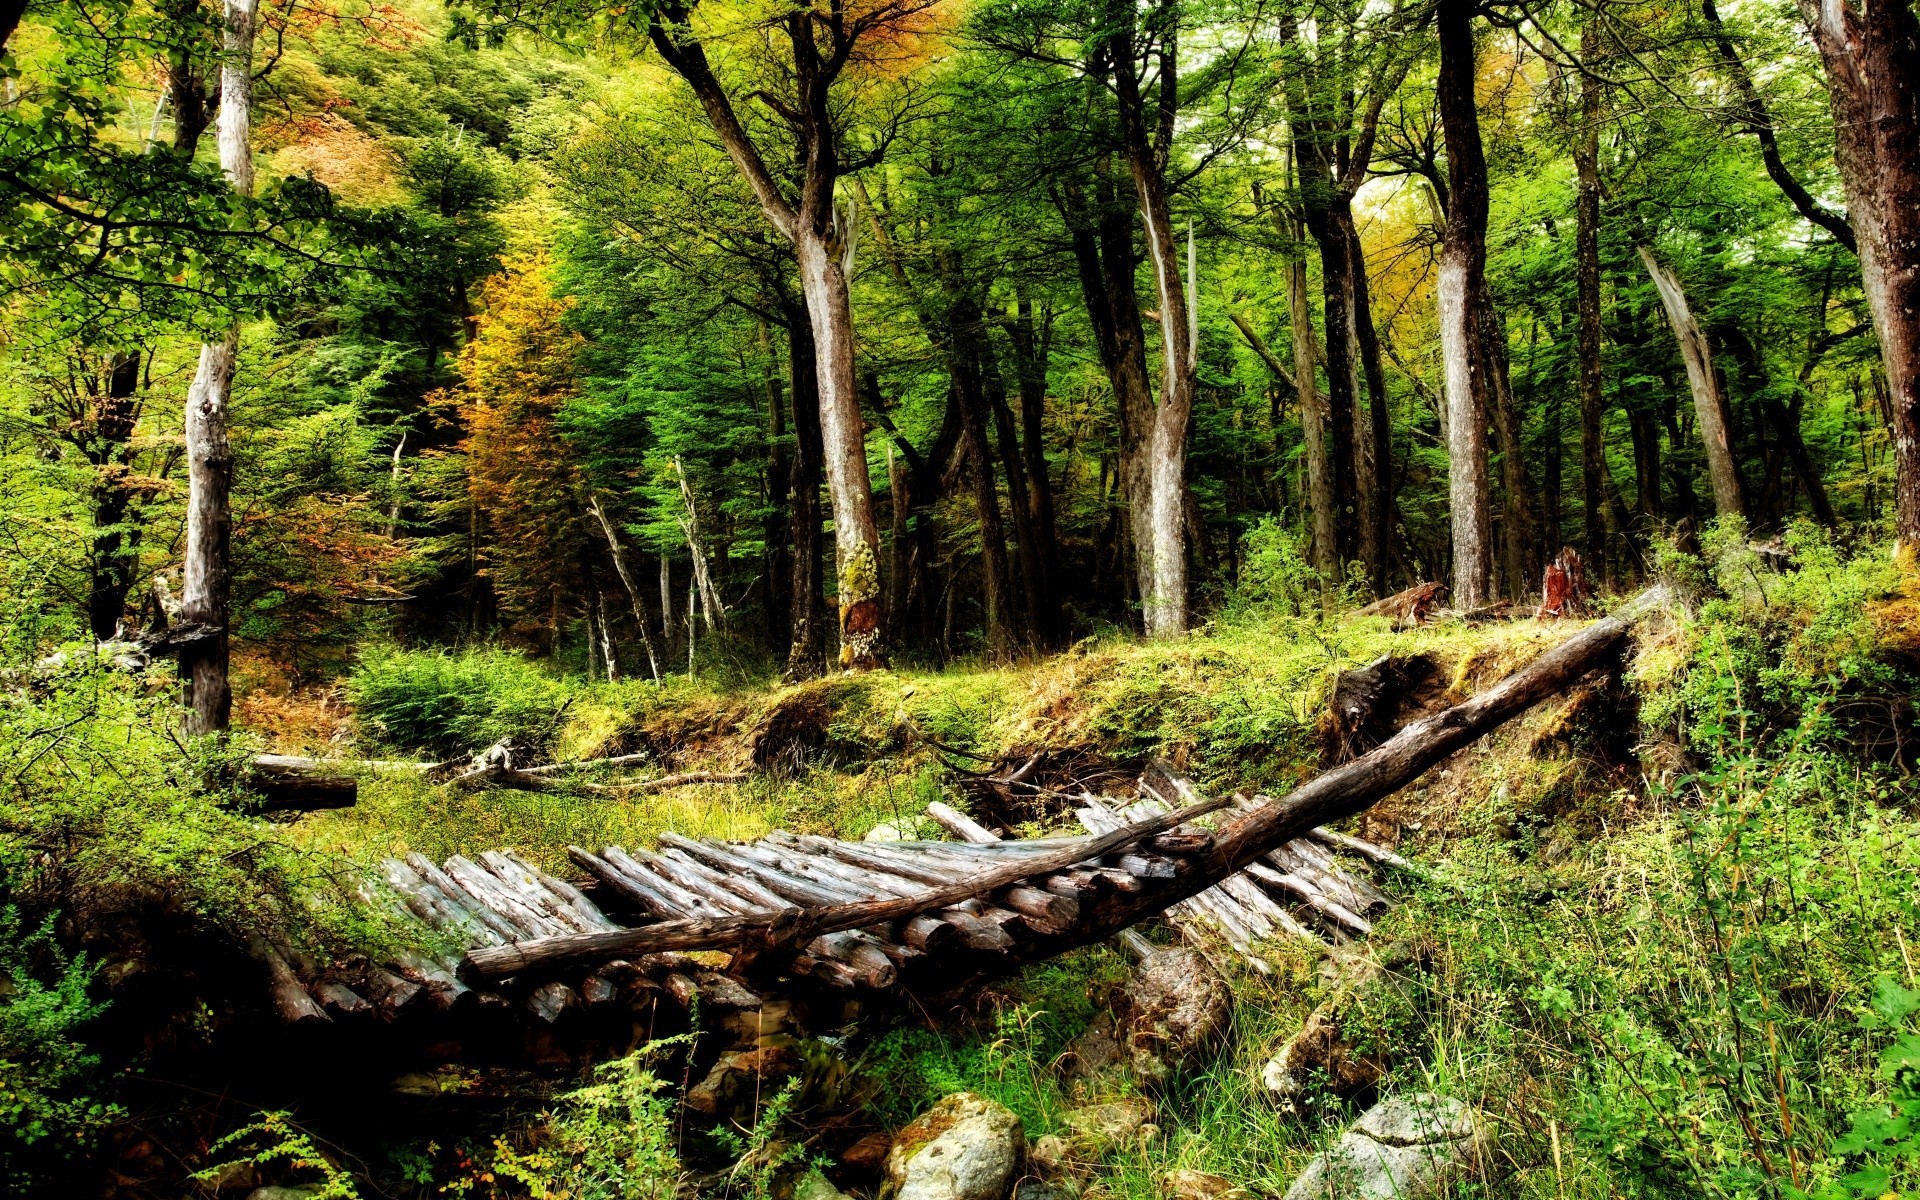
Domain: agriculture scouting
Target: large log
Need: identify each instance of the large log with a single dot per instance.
(289, 784)
(1333, 796)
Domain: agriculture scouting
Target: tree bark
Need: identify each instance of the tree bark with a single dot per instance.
(114, 549)
(776, 561)
(1519, 559)
(1461, 288)
(1103, 252)
(1593, 451)
(1165, 607)
(207, 578)
(1872, 60)
(806, 612)
(1031, 351)
(1785, 422)
(1322, 496)
(1379, 423)
(1709, 398)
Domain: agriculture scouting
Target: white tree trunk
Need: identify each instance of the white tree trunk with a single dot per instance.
(1467, 491)
(1709, 401)
(843, 437)
(621, 568)
(207, 574)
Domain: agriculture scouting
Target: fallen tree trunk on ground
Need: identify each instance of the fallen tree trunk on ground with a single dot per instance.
(1198, 860)
(289, 784)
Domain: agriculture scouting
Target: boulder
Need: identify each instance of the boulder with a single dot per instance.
(1049, 1154)
(1178, 1011)
(1405, 1148)
(965, 1148)
(1041, 1189)
(867, 1156)
(285, 1193)
(1321, 1049)
(740, 1075)
(887, 831)
(814, 1186)
(1099, 1128)
(1186, 1184)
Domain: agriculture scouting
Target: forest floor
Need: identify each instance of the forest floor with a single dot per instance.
(1658, 925)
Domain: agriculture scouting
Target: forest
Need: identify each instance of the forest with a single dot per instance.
(486, 431)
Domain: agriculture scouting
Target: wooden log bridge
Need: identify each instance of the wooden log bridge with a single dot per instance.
(858, 914)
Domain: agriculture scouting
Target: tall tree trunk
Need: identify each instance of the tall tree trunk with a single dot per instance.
(1461, 287)
(843, 442)
(207, 578)
(114, 547)
(1785, 422)
(1379, 423)
(1166, 466)
(1709, 397)
(776, 561)
(1517, 550)
(1322, 500)
(1342, 364)
(806, 612)
(968, 390)
(1872, 60)
(1031, 352)
(1019, 504)
(1102, 241)
(1593, 451)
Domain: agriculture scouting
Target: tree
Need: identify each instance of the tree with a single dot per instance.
(823, 242)
(207, 581)
(1462, 298)
(1872, 59)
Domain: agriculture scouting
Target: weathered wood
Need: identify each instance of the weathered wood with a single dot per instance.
(960, 824)
(620, 882)
(776, 930)
(667, 782)
(1364, 849)
(288, 784)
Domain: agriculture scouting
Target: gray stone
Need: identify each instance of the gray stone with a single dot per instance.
(814, 1186)
(1040, 1189)
(886, 831)
(1405, 1148)
(964, 1148)
(1179, 1010)
(284, 1193)
(1098, 1128)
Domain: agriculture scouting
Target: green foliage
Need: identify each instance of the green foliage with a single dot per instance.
(277, 1145)
(452, 703)
(50, 1113)
(610, 1140)
(1886, 1137)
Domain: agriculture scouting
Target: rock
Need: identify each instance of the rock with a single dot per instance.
(965, 1148)
(814, 1186)
(887, 831)
(285, 1193)
(733, 1077)
(1179, 1010)
(230, 1177)
(1405, 1148)
(868, 1155)
(1049, 1154)
(1041, 1189)
(1099, 1128)
(1198, 1185)
(1320, 1049)
(1093, 1060)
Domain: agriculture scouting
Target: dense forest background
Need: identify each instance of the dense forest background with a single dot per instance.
(519, 352)
(827, 410)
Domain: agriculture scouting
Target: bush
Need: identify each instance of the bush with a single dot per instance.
(450, 704)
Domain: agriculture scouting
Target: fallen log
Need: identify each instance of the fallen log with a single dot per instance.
(768, 932)
(666, 782)
(289, 784)
(1333, 796)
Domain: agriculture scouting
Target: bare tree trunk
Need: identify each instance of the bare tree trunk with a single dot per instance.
(1379, 423)
(1872, 60)
(114, 549)
(618, 553)
(1518, 558)
(207, 578)
(1709, 398)
(776, 560)
(1166, 465)
(1103, 251)
(1032, 349)
(666, 604)
(712, 606)
(1461, 287)
(1593, 450)
(806, 611)
(997, 594)
(1322, 503)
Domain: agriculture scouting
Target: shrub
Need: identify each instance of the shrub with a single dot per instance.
(450, 704)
